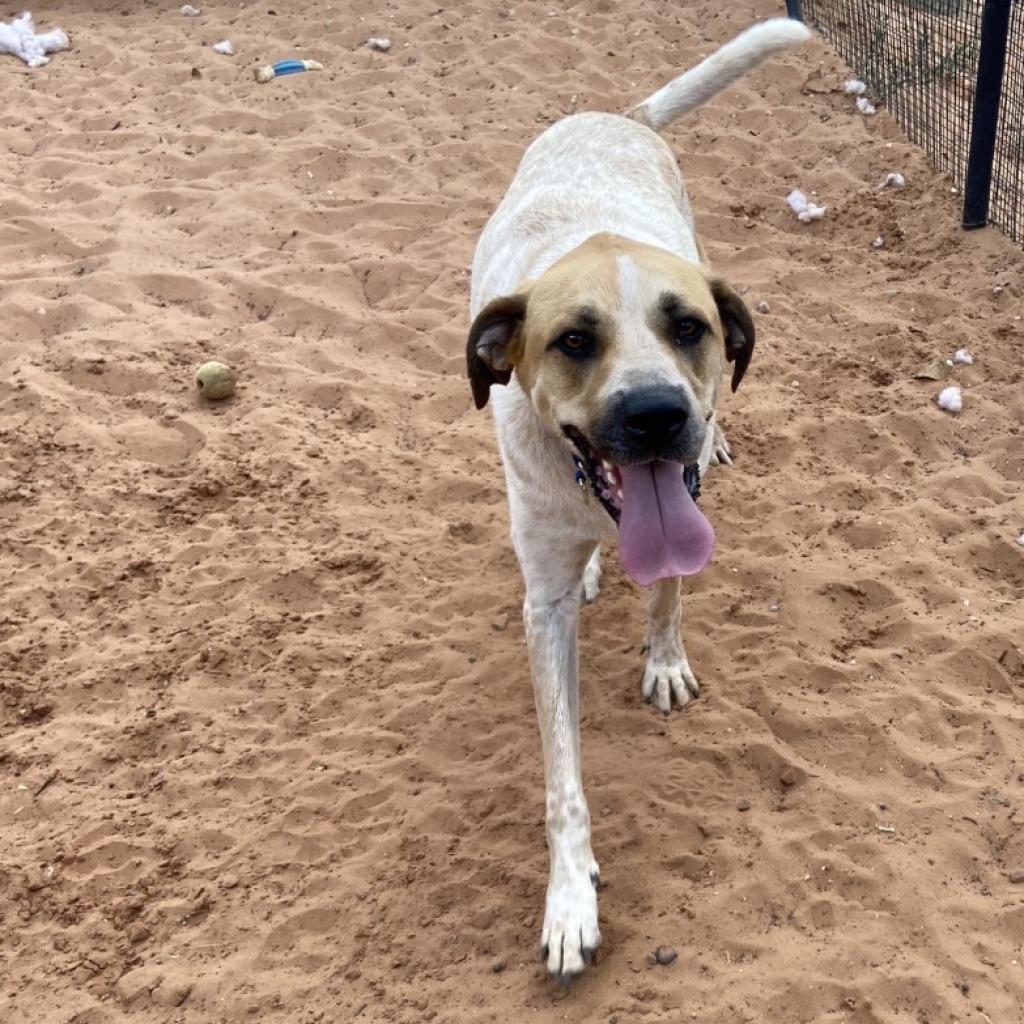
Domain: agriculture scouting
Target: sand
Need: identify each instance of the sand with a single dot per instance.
(268, 750)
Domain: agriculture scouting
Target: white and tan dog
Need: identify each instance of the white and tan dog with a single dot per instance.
(592, 306)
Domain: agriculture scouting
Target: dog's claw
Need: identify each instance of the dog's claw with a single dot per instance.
(721, 453)
(570, 926)
(665, 683)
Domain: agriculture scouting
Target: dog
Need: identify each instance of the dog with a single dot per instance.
(600, 337)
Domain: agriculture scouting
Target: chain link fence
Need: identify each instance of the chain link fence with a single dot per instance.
(952, 73)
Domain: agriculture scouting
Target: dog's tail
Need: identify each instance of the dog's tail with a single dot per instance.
(721, 69)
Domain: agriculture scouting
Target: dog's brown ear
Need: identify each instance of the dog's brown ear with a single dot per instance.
(492, 349)
(738, 328)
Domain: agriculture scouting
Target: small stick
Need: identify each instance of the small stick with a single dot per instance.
(46, 782)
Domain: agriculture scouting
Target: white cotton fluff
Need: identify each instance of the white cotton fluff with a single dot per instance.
(20, 39)
(951, 399)
(381, 43)
(855, 87)
(893, 180)
(963, 356)
(225, 47)
(865, 106)
(804, 209)
(190, 12)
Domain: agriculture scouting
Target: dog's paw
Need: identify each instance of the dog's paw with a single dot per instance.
(592, 578)
(668, 681)
(571, 936)
(721, 453)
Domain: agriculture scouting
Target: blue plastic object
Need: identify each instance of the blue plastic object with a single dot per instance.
(289, 67)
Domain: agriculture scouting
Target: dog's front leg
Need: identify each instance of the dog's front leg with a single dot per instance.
(551, 615)
(667, 675)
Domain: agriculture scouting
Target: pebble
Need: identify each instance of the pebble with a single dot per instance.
(743, 805)
(229, 881)
(171, 992)
(763, 307)
(135, 901)
(665, 955)
(137, 933)
(137, 984)
(1017, 877)
(498, 966)
(789, 777)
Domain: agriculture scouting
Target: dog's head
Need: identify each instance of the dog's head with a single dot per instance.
(620, 343)
(621, 348)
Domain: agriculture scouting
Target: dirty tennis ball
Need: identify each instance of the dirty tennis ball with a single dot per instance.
(215, 380)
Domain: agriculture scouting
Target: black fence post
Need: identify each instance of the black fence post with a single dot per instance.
(995, 25)
(793, 9)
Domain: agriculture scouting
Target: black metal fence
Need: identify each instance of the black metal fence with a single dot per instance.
(952, 73)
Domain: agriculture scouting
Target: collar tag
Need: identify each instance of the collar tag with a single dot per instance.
(581, 477)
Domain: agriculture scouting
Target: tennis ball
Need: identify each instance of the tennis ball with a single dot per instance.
(215, 380)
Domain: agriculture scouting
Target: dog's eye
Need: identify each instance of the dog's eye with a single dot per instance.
(576, 344)
(687, 331)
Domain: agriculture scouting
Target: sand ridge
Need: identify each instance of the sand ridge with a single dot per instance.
(267, 745)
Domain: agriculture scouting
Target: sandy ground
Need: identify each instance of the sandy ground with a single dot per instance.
(268, 750)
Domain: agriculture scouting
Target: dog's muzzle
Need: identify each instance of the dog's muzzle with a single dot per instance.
(653, 422)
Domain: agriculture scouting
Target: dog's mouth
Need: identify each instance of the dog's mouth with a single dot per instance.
(662, 533)
(595, 474)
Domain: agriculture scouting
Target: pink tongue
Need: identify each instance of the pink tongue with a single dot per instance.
(662, 533)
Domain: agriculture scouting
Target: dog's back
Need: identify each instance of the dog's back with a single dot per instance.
(599, 172)
(587, 174)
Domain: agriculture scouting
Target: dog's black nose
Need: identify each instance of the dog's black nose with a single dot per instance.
(654, 417)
